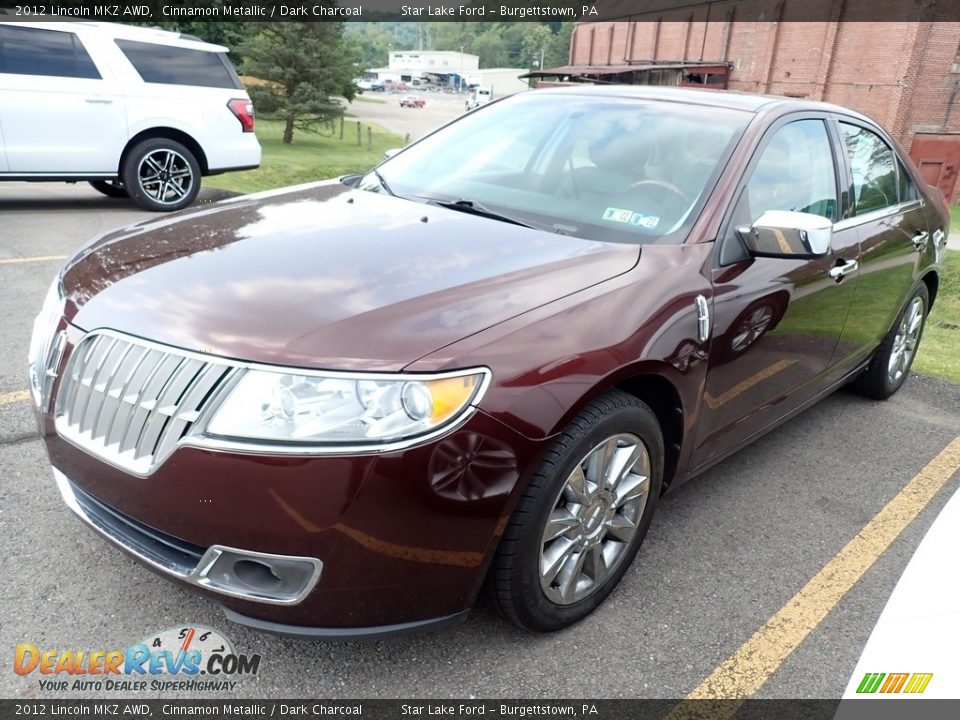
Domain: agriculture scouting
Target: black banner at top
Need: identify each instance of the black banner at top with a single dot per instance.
(485, 10)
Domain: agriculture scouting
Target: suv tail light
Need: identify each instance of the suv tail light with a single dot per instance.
(243, 110)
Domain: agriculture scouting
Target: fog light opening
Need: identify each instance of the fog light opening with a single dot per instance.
(257, 575)
(262, 577)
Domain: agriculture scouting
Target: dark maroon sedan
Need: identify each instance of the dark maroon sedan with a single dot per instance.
(343, 409)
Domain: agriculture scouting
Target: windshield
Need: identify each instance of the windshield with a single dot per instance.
(622, 170)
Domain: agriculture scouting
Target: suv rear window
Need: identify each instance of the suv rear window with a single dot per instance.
(31, 51)
(179, 66)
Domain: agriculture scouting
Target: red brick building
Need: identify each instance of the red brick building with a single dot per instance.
(904, 72)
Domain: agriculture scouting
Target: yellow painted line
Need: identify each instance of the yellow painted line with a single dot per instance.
(768, 372)
(13, 397)
(41, 258)
(745, 672)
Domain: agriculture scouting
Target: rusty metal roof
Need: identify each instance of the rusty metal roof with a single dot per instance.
(578, 70)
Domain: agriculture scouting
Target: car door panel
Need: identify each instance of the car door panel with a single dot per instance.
(893, 232)
(777, 320)
(3, 149)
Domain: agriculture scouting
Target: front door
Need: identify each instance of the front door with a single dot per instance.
(777, 320)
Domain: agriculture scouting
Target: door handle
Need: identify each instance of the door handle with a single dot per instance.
(920, 240)
(840, 271)
(99, 101)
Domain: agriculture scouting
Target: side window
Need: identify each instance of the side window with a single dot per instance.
(908, 190)
(170, 65)
(795, 172)
(29, 51)
(872, 165)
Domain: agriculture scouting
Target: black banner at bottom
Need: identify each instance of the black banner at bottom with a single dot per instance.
(872, 709)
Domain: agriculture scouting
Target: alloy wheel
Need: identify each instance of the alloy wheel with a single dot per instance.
(165, 176)
(594, 518)
(905, 342)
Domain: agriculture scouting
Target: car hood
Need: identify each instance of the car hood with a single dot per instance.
(325, 276)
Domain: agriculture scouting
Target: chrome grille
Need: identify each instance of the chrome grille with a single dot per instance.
(130, 402)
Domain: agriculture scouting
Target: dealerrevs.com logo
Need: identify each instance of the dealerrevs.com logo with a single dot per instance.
(178, 659)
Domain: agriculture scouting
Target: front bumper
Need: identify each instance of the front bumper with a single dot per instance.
(401, 540)
(283, 580)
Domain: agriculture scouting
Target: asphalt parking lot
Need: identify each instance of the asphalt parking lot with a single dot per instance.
(726, 552)
(384, 109)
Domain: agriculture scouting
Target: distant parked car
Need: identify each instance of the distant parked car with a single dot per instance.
(410, 101)
(134, 111)
(342, 409)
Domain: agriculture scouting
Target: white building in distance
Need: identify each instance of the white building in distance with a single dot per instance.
(440, 67)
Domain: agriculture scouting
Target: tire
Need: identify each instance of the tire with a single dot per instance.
(890, 365)
(161, 175)
(545, 600)
(110, 188)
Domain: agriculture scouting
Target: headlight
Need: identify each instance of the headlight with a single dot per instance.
(334, 409)
(44, 326)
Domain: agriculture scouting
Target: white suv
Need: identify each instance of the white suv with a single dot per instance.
(135, 111)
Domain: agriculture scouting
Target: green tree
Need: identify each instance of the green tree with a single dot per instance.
(372, 42)
(304, 65)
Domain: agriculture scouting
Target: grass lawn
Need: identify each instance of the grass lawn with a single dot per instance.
(939, 353)
(954, 219)
(310, 157)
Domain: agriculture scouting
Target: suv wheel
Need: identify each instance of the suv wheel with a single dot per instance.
(161, 175)
(583, 516)
(110, 188)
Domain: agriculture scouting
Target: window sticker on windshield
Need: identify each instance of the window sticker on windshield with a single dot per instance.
(647, 221)
(617, 215)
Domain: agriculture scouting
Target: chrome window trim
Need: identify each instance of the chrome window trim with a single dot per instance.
(874, 215)
(197, 437)
(197, 576)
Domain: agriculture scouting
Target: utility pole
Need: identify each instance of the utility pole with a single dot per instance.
(460, 76)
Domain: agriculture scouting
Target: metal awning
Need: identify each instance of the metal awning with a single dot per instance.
(587, 70)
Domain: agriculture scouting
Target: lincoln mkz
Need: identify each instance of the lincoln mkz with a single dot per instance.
(344, 409)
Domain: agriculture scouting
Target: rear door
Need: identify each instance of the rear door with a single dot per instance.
(777, 320)
(62, 114)
(890, 219)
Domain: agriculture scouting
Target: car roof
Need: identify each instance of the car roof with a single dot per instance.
(119, 30)
(731, 99)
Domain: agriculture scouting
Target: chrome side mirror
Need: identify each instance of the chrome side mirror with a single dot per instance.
(390, 153)
(784, 233)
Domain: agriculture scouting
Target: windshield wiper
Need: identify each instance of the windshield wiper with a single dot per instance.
(473, 208)
(383, 183)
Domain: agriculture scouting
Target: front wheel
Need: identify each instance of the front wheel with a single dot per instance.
(891, 364)
(583, 516)
(161, 175)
